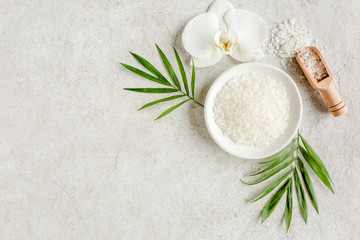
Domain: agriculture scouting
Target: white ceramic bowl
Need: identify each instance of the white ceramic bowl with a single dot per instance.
(249, 152)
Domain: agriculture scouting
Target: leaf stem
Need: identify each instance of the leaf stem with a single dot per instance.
(187, 95)
(197, 102)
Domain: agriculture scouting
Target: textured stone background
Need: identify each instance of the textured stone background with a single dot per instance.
(77, 161)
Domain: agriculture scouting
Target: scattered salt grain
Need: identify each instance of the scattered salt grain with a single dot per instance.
(313, 63)
(286, 39)
(252, 109)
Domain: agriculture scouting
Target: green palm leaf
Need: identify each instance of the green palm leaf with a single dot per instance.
(281, 153)
(271, 205)
(145, 75)
(288, 206)
(150, 67)
(316, 168)
(315, 157)
(308, 184)
(285, 165)
(161, 100)
(193, 80)
(152, 90)
(169, 68)
(301, 195)
(157, 77)
(279, 160)
(171, 109)
(274, 185)
(182, 71)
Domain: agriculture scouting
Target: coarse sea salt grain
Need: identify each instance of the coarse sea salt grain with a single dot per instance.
(252, 109)
(313, 63)
(286, 39)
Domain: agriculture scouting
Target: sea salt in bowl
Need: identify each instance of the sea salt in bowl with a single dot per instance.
(247, 151)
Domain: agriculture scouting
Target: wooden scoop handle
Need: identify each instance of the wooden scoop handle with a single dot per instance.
(334, 101)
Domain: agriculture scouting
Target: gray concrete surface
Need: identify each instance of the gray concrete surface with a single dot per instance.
(77, 161)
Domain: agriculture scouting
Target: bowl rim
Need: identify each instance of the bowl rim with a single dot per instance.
(207, 110)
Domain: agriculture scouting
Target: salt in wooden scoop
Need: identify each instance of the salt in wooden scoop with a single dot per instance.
(320, 77)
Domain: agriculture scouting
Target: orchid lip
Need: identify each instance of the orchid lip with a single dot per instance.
(226, 41)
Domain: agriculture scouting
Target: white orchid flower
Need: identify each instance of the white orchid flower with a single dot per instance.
(223, 30)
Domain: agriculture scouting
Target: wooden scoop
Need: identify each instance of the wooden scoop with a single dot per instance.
(331, 96)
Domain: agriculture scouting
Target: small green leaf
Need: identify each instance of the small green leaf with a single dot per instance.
(150, 67)
(301, 195)
(171, 109)
(315, 157)
(155, 76)
(288, 207)
(152, 90)
(193, 79)
(274, 185)
(281, 153)
(316, 168)
(144, 74)
(169, 68)
(161, 100)
(308, 184)
(279, 160)
(271, 205)
(285, 165)
(182, 71)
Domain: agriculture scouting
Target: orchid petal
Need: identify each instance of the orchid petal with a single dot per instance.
(247, 57)
(198, 35)
(220, 7)
(214, 58)
(249, 27)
